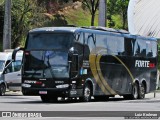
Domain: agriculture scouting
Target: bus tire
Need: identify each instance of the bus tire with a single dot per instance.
(135, 91)
(134, 94)
(2, 89)
(86, 93)
(142, 91)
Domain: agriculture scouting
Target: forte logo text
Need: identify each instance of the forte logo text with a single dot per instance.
(143, 63)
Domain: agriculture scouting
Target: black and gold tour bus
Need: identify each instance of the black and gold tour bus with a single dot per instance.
(79, 62)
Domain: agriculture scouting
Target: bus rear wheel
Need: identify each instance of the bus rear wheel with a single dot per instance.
(142, 91)
(134, 94)
(86, 93)
(2, 89)
(135, 90)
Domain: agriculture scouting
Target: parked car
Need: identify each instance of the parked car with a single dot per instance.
(10, 71)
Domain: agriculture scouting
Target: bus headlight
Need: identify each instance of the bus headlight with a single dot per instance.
(62, 86)
(26, 85)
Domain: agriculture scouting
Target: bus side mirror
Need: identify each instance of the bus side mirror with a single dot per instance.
(15, 52)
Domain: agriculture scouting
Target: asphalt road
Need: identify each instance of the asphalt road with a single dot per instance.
(114, 108)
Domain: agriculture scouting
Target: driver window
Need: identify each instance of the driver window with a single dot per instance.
(9, 67)
(13, 66)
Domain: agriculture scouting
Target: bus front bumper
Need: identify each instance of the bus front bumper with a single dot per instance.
(58, 92)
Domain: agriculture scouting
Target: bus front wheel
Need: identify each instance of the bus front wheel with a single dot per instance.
(86, 93)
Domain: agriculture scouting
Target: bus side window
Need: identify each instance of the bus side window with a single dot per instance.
(120, 46)
(137, 49)
(140, 48)
(154, 49)
(149, 52)
(79, 43)
(129, 44)
(90, 41)
(79, 37)
(79, 46)
(112, 45)
(101, 41)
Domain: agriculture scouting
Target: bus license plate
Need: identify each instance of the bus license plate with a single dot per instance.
(43, 92)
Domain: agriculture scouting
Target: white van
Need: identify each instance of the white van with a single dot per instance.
(11, 71)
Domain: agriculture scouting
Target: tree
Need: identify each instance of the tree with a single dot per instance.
(111, 10)
(122, 6)
(25, 15)
(117, 8)
(29, 14)
(7, 26)
(52, 6)
(92, 5)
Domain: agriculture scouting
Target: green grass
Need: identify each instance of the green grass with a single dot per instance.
(79, 17)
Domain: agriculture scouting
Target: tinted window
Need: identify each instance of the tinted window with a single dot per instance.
(149, 51)
(115, 45)
(110, 44)
(48, 64)
(129, 46)
(140, 48)
(101, 41)
(90, 40)
(120, 46)
(49, 41)
(79, 43)
(79, 37)
(153, 50)
(145, 48)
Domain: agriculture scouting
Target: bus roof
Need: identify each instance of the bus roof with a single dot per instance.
(92, 29)
(57, 29)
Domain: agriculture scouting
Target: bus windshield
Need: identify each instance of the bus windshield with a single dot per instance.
(48, 64)
(48, 55)
(49, 41)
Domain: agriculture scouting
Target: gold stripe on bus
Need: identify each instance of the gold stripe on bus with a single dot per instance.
(104, 82)
(125, 67)
(92, 60)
